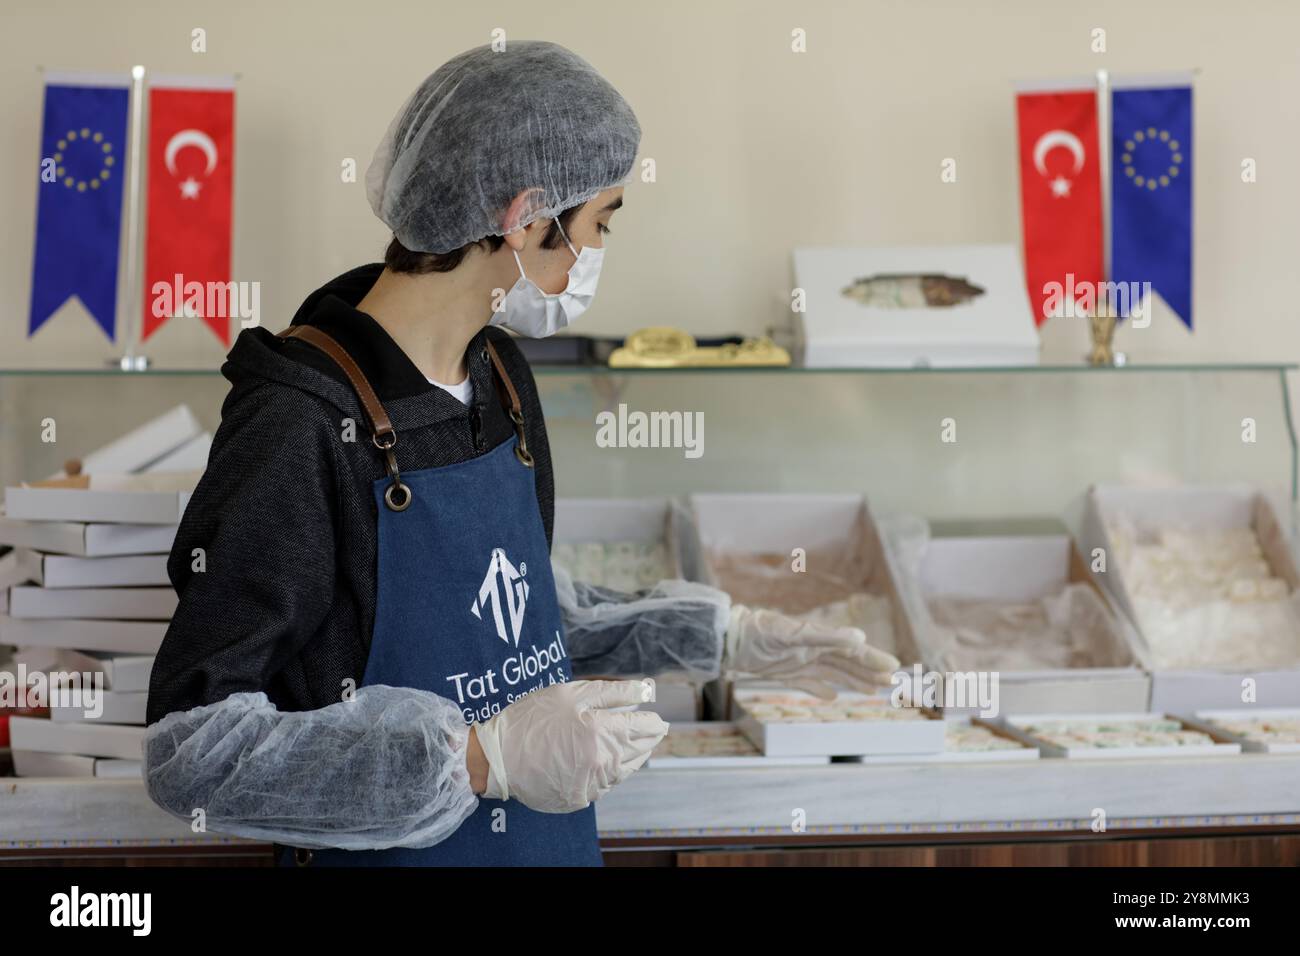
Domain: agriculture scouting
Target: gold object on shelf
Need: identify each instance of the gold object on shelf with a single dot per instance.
(1102, 328)
(662, 346)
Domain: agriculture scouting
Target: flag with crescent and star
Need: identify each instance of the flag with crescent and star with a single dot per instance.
(79, 197)
(1060, 190)
(191, 176)
(1151, 191)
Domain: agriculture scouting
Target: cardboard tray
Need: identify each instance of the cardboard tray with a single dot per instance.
(1207, 720)
(839, 738)
(1025, 751)
(579, 520)
(778, 523)
(1220, 507)
(1020, 568)
(1015, 726)
(756, 759)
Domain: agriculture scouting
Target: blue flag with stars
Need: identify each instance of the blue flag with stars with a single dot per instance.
(79, 199)
(1151, 192)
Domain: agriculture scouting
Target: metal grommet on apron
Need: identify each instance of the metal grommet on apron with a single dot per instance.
(521, 448)
(398, 495)
(302, 857)
(465, 608)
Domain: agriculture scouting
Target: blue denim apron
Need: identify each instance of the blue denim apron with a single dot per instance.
(466, 609)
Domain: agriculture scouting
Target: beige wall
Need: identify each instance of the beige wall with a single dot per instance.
(758, 149)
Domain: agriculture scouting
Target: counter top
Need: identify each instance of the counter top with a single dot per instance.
(841, 798)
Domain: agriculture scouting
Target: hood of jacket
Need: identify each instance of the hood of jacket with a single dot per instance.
(259, 356)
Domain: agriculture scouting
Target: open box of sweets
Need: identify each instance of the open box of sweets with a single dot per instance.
(968, 740)
(1023, 605)
(717, 744)
(747, 543)
(1258, 731)
(1117, 736)
(1208, 577)
(790, 723)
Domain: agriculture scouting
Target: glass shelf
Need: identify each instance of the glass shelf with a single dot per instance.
(1030, 439)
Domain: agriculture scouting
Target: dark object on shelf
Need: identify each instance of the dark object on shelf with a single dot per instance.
(557, 350)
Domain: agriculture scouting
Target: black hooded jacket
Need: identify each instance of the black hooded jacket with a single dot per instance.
(284, 518)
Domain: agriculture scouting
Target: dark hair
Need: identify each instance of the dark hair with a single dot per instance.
(400, 259)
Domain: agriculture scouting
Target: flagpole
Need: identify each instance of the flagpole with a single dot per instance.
(131, 322)
(1103, 150)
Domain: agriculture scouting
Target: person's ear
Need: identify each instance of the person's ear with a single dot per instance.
(519, 208)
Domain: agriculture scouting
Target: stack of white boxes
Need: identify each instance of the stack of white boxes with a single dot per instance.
(85, 591)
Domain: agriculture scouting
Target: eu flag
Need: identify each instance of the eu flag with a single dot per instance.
(79, 198)
(1151, 204)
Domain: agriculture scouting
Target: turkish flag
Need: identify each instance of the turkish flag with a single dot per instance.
(1060, 195)
(191, 159)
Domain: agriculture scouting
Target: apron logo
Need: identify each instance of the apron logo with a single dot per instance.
(516, 593)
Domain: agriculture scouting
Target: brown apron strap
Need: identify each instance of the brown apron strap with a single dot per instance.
(380, 423)
(514, 410)
(398, 495)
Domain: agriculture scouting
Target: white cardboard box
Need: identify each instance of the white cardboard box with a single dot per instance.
(118, 707)
(87, 504)
(779, 523)
(36, 763)
(1019, 569)
(116, 637)
(121, 604)
(87, 540)
(847, 738)
(142, 446)
(121, 672)
(1017, 725)
(191, 456)
(1208, 720)
(66, 571)
(116, 769)
(996, 328)
(83, 739)
(1206, 508)
(125, 672)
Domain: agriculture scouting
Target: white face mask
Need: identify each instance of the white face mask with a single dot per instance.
(531, 312)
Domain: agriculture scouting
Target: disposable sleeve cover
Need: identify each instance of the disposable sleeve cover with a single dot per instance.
(384, 769)
(675, 627)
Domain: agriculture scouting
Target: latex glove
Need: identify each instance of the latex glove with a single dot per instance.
(561, 747)
(773, 646)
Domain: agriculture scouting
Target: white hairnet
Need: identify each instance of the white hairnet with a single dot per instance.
(486, 126)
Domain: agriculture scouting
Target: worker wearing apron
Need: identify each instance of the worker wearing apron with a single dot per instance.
(450, 558)
(369, 667)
